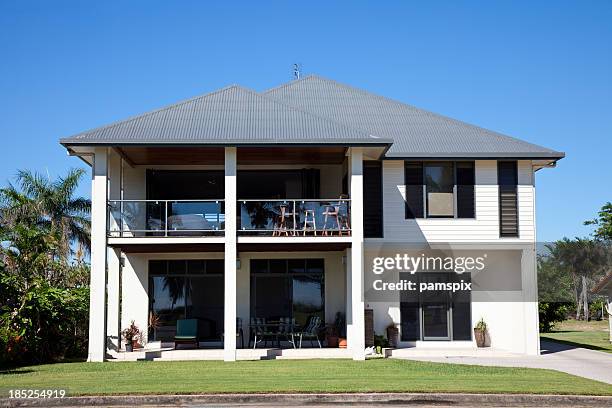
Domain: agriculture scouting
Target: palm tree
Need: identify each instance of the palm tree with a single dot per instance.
(49, 204)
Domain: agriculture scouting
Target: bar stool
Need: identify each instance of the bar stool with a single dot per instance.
(331, 213)
(310, 221)
(280, 227)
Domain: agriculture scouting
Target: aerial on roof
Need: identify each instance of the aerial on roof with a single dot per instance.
(311, 110)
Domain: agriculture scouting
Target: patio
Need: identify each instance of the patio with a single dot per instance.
(170, 354)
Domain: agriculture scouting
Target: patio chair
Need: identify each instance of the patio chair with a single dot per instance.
(259, 332)
(239, 332)
(186, 332)
(311, 330)
(286, 330)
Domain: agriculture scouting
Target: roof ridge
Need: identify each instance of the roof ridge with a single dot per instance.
(304, 111)
(396, 102)
(172, 105)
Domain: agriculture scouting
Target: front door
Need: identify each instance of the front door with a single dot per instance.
(435, 307)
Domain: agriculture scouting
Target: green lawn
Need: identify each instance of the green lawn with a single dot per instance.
(378, 375)
(592, 335)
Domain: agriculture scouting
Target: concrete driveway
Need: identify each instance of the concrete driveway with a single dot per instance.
(595, 365)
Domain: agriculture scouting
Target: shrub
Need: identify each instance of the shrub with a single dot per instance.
(552, 313)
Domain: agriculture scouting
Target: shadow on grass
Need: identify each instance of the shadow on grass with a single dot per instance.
(573, 345)
(15, 372)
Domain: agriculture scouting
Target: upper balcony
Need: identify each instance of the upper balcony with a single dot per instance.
(206, 218)
(282, 195)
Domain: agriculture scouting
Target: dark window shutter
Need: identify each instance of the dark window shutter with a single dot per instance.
(507, 177)
(465, 190)
(413, 179)
(372, 199)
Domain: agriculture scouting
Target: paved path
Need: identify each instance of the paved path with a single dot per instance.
(595, 365)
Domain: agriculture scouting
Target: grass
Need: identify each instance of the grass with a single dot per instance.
(593, 335)
(379, 375)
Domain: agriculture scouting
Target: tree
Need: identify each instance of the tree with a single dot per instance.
(51, 205)
(585, 260)
(44, 307)
(603, 222)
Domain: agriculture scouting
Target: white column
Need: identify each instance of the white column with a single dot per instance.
(529, 280)
(229, 343)
(112, 287)
(356, 340)
(97, 286)
(113, 340)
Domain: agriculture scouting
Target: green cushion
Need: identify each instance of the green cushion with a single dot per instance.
(186, 328)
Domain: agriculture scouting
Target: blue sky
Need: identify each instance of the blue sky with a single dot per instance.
(540, 71)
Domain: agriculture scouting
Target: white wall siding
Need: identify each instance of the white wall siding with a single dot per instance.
(485, 227)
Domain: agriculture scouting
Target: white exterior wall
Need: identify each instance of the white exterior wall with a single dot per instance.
(513, 325)
(485, 227)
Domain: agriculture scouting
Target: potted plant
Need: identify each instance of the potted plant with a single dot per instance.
(392, 335)
(480, 333)
(380, 342)
(340, 324)
(131, 334)
(154, 323)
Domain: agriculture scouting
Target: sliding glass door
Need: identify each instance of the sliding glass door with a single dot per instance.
(287, 288)
(186, 289)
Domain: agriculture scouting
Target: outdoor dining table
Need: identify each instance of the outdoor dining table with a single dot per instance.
(272, 328)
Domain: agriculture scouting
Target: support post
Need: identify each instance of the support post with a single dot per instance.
(113, 260)
(529, 279)
(356, 340)
(229, 338)
(97, 286)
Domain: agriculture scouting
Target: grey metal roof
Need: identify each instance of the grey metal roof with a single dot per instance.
(415, 132)
(312, 110)
(232, 115)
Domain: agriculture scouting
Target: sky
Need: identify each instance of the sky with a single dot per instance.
(540, 71)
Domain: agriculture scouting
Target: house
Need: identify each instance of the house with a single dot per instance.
(240, 204)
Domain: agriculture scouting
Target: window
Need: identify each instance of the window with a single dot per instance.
(372, 199)
(186, 289)
(507, 176)
(288, 288)
(439, 189)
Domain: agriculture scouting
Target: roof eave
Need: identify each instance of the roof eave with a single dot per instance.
(167, 143)
(478, 155)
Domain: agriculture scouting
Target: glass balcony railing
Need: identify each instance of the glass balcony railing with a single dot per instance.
(170, 218)
(295, 217)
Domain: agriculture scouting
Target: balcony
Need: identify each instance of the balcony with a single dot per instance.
(206, 218)
(165, 218)
(294, 218)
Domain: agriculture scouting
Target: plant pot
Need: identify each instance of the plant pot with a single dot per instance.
(135, 344)
(481, 337)
(342, 343)
(392, 335)
(378, 350)
(129, 347)
(332, 341)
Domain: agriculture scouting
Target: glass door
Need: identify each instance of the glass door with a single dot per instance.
(435, 309)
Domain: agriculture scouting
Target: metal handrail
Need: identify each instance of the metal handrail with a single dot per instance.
(216, 200)
(293, 213)
(111, 204)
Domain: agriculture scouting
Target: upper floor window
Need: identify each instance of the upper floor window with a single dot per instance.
(439, 189)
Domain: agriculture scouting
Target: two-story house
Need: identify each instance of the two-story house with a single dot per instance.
(239, 206)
